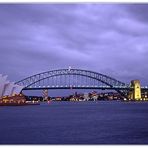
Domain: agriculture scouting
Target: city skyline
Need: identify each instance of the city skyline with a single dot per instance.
(106, 38)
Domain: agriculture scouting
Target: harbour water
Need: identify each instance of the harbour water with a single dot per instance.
(101, 122)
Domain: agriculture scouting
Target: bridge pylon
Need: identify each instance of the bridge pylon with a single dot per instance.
(45, 94)
(135, 92)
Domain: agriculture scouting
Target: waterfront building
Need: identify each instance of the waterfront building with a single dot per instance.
(10, 92)
(15, 99)
(8, 88)
(86, 97)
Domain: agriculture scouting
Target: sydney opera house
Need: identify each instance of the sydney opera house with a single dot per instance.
(10, 93)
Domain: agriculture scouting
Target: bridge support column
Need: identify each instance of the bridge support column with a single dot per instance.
(45, 94)
(135, 93)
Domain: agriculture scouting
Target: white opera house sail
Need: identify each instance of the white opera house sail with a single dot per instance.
(8, 88)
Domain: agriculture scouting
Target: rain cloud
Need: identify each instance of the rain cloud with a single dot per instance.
(107, 38)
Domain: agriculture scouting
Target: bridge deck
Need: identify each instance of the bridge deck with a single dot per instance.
(102, 88)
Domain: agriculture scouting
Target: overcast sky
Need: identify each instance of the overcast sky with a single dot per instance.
(107, 38)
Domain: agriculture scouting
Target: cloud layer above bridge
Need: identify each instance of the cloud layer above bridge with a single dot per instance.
(106, 38)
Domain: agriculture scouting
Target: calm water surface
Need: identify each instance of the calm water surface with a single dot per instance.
(101, 122)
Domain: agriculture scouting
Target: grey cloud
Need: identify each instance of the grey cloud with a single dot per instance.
(98, 37)
(138, 11)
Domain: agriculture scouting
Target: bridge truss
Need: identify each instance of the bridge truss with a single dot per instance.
(72, 78)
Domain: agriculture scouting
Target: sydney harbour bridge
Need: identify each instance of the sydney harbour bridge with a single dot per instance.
(80, 79)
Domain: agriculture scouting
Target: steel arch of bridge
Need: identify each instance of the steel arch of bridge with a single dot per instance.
(109, 81)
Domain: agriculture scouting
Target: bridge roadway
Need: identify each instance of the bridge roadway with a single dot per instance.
(77, 87)
(84, 87)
